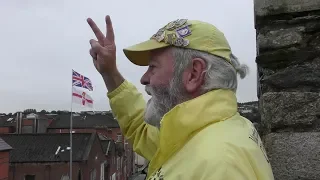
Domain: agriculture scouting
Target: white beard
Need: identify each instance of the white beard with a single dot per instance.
(162, 101)
(152, 116)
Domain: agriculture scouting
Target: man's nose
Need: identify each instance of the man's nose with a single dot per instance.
(145, 80)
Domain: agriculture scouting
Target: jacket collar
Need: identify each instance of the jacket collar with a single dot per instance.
(186, 119)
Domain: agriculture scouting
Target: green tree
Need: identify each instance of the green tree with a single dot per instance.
(30, 111)
(43, 111)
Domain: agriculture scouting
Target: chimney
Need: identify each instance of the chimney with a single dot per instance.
(35, 124)
(18, 122)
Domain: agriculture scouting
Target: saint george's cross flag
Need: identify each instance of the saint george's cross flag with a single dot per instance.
(81, 81)
(81, 97)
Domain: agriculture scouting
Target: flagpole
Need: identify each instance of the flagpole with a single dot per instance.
(71, 131)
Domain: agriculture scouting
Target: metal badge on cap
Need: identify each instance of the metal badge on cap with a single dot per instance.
(184, 31)
(176, 32)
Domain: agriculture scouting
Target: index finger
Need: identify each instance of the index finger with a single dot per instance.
(96, 30)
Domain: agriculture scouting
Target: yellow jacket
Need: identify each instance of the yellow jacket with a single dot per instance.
(201, 139)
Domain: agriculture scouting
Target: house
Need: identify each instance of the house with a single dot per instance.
(35, 123)
(24, 123)
(7, 124)
(113, 153)
(107, 128)
(4, 159)
(100, 123)
(47, 156)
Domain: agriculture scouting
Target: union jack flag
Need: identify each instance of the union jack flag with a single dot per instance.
(81, 81)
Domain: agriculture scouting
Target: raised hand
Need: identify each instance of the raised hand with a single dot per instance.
(103, 51)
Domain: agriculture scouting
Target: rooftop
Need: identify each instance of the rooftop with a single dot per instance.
(6, 121)
(107, 144)
(4, 146)
(84, 121)
(48, 147)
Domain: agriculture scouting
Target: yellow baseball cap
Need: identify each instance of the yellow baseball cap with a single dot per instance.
(192, 34)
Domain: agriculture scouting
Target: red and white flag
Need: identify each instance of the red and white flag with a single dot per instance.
(81, 97)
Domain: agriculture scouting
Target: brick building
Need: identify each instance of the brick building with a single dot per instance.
(118, 151)
(7, 124)
(47, 156)
(4, 159)
(107, 128)
(25, 123)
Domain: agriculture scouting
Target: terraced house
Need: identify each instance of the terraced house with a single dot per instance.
(41, 146)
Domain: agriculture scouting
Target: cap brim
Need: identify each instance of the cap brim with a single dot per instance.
(139, 54)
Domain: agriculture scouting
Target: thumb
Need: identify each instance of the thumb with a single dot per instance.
(95, 46)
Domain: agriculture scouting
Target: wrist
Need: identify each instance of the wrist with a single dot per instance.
(109, 74)
(112, 79)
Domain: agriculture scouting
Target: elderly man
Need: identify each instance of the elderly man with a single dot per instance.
(190, 128)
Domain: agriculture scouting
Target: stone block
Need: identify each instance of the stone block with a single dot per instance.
(294, 156)
(273, 7)
(280, 38)
(315, 41)
(283, 57)
(307, 75)
(290, 110)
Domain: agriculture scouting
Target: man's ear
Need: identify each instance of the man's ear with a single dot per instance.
(195, 75)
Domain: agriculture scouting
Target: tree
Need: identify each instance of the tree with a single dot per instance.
(53, 112)
(27, 111)
(43, 111)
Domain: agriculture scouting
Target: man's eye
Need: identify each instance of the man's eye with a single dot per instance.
(152, 66)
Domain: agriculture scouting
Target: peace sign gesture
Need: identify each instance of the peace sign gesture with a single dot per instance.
(103, 51)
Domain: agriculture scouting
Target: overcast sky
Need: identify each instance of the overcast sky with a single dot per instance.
(42, 41)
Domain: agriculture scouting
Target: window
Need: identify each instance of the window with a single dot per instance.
(65, 177)
(29, 177)
(93, 174)
(114, 176)
(121, 163)
(102, 169)
(27, 129)
(119, 137)
(79, 175)
(118, 163)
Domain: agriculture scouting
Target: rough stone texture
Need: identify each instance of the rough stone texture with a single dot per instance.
(294, 155)
(273, 7)
(288, 59)
(309, 20)
(303, 78)
(315, 41)
(283, 111)
(294, 77)
(284, 57)
(280, 38)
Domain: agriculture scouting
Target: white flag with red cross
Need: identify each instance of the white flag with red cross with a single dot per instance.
(81, 97)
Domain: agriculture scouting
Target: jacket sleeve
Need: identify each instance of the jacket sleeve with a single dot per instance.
(128, 106)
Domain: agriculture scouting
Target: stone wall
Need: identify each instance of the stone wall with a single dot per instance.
(288, 59)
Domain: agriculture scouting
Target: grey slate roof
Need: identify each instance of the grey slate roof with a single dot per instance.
(42, 147)
(84, 121)
(4, 146)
